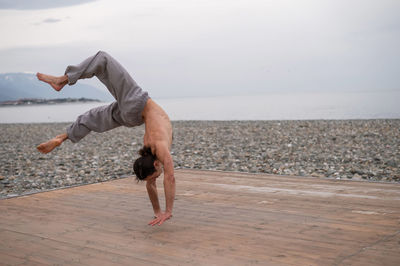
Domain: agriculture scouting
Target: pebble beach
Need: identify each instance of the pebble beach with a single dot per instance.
(367, 150)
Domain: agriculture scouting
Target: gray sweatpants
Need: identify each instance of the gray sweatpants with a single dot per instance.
(125, 111)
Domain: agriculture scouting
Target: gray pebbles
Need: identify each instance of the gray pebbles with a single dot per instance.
(348, 149)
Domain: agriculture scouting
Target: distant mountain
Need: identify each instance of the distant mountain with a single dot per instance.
(14, 86)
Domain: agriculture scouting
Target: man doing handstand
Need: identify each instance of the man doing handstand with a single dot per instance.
(132, 107)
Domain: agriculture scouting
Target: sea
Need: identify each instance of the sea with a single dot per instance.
(271, 106)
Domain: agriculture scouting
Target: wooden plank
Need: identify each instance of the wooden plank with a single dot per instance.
(220, 218)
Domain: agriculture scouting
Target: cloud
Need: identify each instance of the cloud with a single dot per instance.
(51, 20)
(47, 20)
(39, 4)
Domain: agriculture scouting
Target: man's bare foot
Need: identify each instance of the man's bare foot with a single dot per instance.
(56, 82)
(48, 146)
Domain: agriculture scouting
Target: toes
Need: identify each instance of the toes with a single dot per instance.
(40, 76)
(40, 148)
(43, 148)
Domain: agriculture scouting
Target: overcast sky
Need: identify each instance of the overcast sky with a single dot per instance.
(177, 48)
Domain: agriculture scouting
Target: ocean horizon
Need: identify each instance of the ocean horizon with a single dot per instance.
(272, 106)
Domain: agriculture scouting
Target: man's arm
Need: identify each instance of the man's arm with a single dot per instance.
(164, 156)
(169, 181)
(153, 195)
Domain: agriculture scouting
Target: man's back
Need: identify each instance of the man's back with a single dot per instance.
(157, 125)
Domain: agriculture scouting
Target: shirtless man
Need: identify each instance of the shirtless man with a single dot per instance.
(132, 107)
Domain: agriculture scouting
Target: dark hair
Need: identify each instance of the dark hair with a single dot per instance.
(144, 165)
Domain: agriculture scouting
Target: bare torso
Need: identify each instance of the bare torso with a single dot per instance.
(158, 128)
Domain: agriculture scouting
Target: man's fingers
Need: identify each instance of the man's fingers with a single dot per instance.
(153, 222)
(154, 218)
(162, 221)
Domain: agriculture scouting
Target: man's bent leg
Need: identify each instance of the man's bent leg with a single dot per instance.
(106, 69)
(130, 97)
(98, 119)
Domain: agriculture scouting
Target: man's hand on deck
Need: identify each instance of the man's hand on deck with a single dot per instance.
(160, 219)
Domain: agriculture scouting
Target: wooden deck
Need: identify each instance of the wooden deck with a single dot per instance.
(220, 218)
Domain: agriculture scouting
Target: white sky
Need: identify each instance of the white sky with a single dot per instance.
(215, 47)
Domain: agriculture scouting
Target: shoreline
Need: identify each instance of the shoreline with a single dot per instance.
(222, 120)
(359, 149)
(41, 102)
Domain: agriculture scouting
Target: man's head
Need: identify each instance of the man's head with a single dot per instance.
(147, 166)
